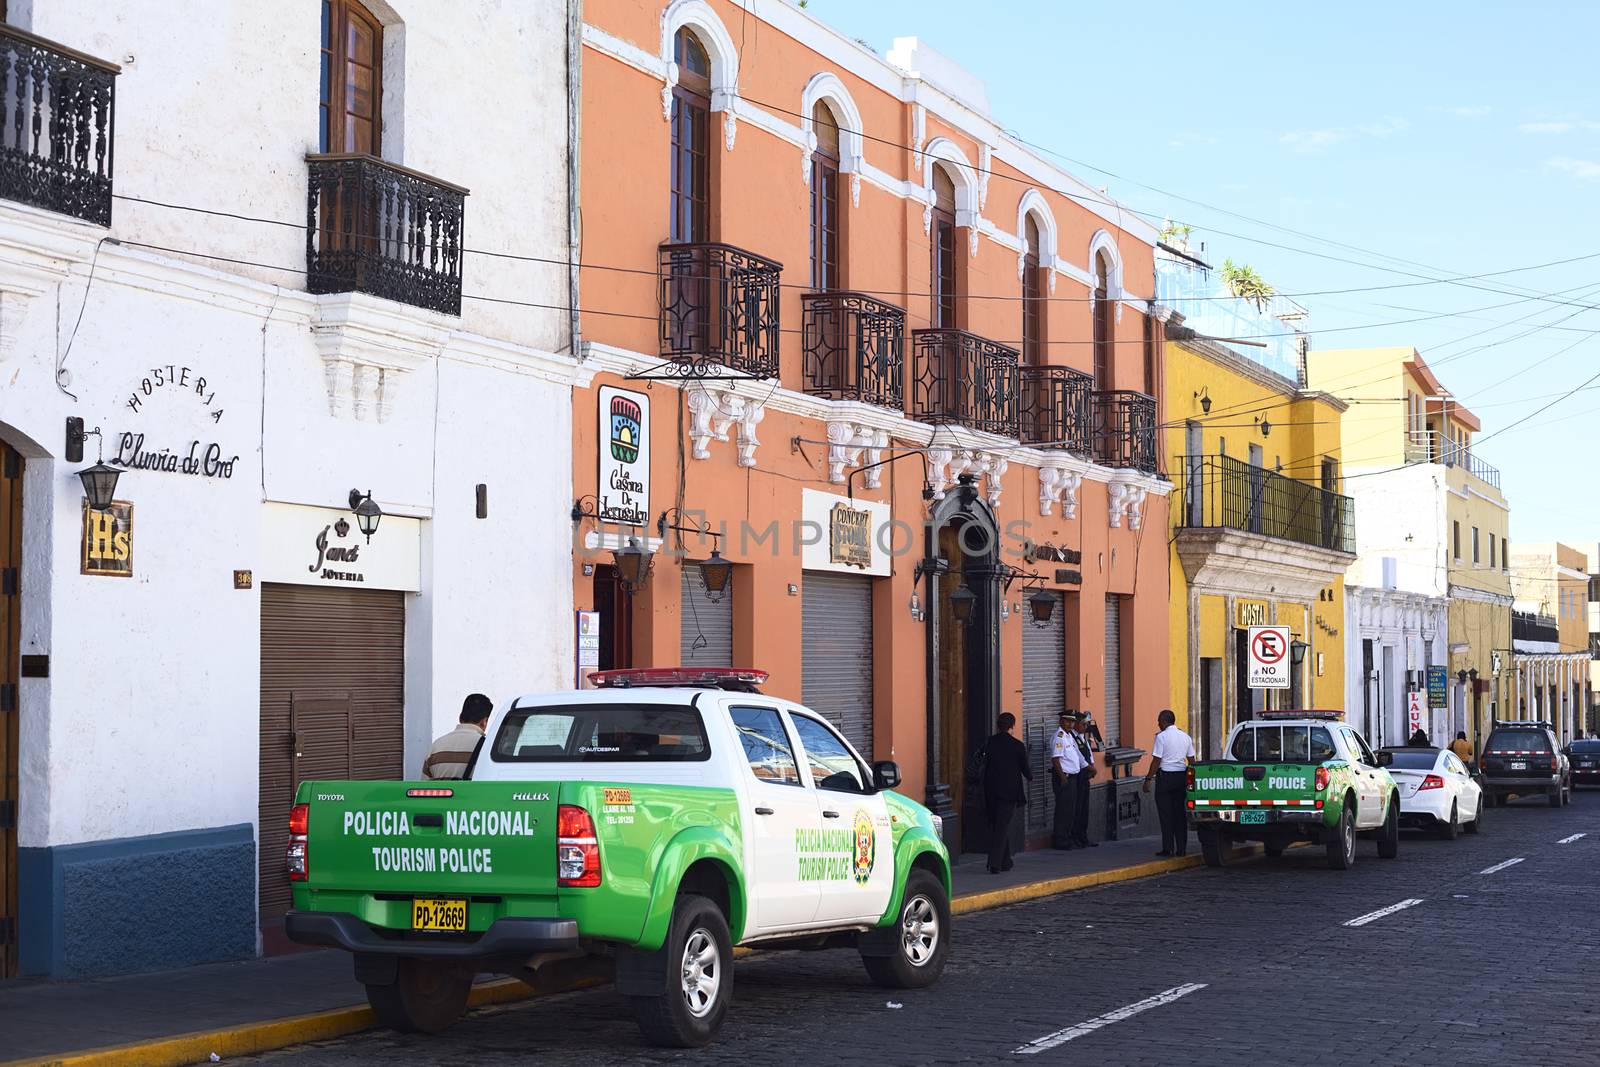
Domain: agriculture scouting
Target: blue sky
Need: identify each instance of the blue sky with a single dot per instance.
(1464, 138)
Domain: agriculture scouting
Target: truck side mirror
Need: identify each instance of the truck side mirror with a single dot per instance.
(885, 775)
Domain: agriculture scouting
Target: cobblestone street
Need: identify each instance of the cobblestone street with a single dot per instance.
(1484, 968)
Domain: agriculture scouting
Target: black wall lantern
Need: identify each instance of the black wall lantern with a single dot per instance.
(99, 485)
(368, 513)
(962, 602)
(634, 563)
(716, 573)
(1043, 607)
(1204, 396)
(1297, 652)
(1265, 426)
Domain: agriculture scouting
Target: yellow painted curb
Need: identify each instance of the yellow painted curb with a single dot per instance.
(250, 1038)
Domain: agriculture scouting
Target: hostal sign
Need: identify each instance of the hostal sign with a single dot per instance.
(623, 491)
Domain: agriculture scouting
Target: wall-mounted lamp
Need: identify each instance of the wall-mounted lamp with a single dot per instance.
(634, 563)
(716, 573)
(1204, 396)
(100, 480)
(962, 603)
(1297, 652)
(368, 513)
(1265, 426)
(1043, 607)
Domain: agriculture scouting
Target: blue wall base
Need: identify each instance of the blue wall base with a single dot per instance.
(137, 903)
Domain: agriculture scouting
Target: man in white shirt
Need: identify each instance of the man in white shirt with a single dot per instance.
(1062, 767)
(1170, 756)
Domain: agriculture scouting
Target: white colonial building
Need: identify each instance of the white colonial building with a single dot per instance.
(262, 311)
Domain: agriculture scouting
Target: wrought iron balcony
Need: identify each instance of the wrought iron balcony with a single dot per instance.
(1223, 492)
(958, 377)
(377, 228)
(1058, 409)
(1430, 446)
(57, 129)
(1125, 429)
(854, 348)
(719, 306)
(1532, 626)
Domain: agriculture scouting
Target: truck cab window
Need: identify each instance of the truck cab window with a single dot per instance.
(766, 745)
(833, 766)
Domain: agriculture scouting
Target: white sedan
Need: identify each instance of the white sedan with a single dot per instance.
(1436, 790)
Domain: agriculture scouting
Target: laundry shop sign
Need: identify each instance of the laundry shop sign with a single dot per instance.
(322, 546)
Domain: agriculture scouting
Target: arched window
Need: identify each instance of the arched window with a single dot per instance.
(825, 200)
(943, 235)
(691, 120)
(1032, 298)
(1104, 323)
(352, 79)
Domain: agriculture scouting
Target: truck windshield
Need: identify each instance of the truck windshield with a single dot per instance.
(1518, 740)
(1283, 744)
(601, 733)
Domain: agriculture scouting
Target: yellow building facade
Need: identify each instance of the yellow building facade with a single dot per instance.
(1261, 534)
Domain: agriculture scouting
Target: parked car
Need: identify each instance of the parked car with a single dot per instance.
(1437, 791)
(1523, 759)
(659, 820)
(1584, 756)
(1295, 776)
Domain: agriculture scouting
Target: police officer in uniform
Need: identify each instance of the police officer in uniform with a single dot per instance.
(1084, 770)
(1061, 782)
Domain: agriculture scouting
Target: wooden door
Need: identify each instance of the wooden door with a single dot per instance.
(10, 703)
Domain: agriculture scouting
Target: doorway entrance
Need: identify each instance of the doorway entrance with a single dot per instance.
(1247, 702)
(615, 607)
(10, 704)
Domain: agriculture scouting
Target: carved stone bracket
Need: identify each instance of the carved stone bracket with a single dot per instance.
(713, 412)
(919, 128)
(1070, 481)
(1049, 486)
(847, 442)
(939, 476)
(369, 348)
(1125, 501)
(855, 187)
(1059, 484)
(927, 218)
(997, 470)
(985, 161)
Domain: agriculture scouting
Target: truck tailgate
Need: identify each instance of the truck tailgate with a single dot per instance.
(1224, 783)
(416, 838)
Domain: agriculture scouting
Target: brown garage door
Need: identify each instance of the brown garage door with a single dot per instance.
(332, 702)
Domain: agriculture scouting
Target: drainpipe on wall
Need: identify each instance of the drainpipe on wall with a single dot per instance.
(574, 216)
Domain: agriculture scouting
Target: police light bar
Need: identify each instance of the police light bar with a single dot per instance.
(1328, 716)
(709, 677)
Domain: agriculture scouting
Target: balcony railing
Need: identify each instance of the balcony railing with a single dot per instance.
(1058, 409)
(1223, 492)
(377, 228)
(1531, 626)
(1430, 446)
(854, 348)
(1125, 429)
(57, 128)
(958, 377)
(719, 305)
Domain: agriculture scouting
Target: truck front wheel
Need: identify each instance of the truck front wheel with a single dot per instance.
(1211, 845)
(922, 938)
(425, 997)
(1342, 845)
(1389, 836)
(690, 1010)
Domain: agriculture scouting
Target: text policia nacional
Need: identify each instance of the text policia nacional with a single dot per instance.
(431, 858)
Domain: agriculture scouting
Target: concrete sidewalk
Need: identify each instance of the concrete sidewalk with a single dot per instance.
(176, 1017)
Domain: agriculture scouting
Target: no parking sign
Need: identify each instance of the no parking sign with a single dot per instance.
(1269, 657)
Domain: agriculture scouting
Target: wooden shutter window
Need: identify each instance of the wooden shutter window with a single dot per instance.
(1104, 323)
(1032, 302)
(944, 251)
(351, 118)
(825, 201)
(691, 120)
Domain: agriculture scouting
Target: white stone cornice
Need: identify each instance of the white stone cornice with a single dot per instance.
(369, 346)
(1226, 560)
(512, 358)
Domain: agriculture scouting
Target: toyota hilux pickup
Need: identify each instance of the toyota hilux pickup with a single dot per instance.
(1294, 776)
(658, 820)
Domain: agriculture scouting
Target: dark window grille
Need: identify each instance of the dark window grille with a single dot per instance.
(1058, 409)
(57, 129)
(1125, 423)
(377, 228)
(961, 378)
(719, 304)
(1223, 492)
(854, 348)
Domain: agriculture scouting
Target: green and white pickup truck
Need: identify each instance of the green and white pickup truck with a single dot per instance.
(1295, 776)
(659, 820)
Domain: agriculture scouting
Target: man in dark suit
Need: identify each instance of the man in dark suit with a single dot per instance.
(1005, 767)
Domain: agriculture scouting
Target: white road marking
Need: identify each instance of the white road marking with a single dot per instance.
(1570, 840)
(1061, 1037)
(1502, 866)
(1374, 916)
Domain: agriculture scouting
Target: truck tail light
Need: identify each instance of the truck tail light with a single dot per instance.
(1188, 779)
(1555, 763)
(577, 848)
(1433, 781)
(297, 858)
(1321, 779)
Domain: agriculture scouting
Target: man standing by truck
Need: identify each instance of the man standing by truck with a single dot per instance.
(452, 754)
(1080, 782)
(1170, 756)
(1061, 783)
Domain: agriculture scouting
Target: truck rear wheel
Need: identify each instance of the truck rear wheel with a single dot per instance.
(1342, 846)
(425, 997)
(1211, 846)
(1555, 797)
(690, 1010)
(924, 937)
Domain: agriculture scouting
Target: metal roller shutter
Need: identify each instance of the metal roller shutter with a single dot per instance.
(1044, 695)
(836, 653)
(332, 703)
(706, 632)
(1111, 724)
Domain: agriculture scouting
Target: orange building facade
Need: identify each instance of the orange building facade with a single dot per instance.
(898, 373)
